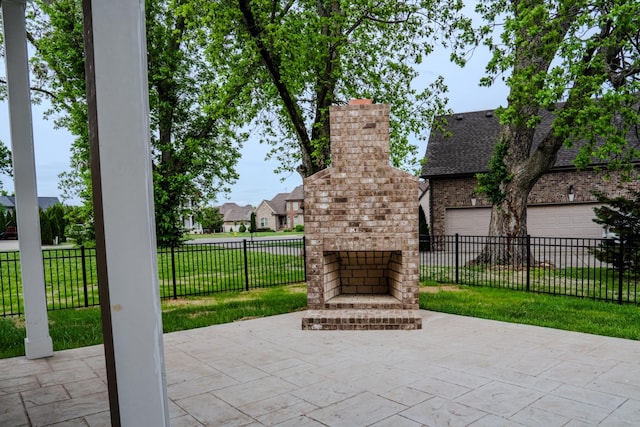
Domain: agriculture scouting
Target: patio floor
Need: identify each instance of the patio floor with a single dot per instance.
(456, 371)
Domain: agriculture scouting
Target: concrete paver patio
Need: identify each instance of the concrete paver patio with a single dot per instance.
(456, 371)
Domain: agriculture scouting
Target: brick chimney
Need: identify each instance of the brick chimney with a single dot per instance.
(361, 228)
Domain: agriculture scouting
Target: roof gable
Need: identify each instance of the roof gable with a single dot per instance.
(296, 194)
(279, 203)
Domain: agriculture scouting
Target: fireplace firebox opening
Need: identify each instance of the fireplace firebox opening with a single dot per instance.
(362, 273)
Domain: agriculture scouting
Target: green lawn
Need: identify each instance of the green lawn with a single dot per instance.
(559, 312)
(245, 235)
(82, 327)
(601, 283)
(71, 278)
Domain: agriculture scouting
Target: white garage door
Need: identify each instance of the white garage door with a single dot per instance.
(543, 221)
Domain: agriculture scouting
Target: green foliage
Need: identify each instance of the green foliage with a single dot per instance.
(7, 218)
(53, 224)
(299, 228)
(620, 216)
(242, 228)
(287, 63)
(6, 165)
(78, 233)
(195, 131)
(252, 225)
(210, 219)
(46, 232)
(580, 61)
(491, 183)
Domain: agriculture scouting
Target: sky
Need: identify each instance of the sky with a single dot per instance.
(257, 180)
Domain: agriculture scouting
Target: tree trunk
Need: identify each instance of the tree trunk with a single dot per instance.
(506, 244)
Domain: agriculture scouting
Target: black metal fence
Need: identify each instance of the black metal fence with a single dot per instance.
(602, 269)
(191, 269)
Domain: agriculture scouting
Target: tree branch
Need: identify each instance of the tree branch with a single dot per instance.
(271, 62)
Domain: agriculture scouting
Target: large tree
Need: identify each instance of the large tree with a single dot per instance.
(5, 154)
(195, 133)
(300, 57)
(581, 61)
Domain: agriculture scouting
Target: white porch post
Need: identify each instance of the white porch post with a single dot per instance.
(38, 342)
(119, 132)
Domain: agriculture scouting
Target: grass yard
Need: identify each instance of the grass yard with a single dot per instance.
(245, 235)
(559, 312)
(71, 277)
(601, 283)
(83, 327)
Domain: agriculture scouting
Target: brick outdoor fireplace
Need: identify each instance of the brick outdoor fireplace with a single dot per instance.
(361, 229)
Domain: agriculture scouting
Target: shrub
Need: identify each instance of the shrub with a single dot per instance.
(621, 218)
(77, 232)
(299, 228)
(242, 228)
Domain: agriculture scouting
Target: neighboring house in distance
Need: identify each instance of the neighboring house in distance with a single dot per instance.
(271, 214)
(560, 204)
(9, 202)
(284, 211)
(188, 219)
(235, 215)
(295, 207)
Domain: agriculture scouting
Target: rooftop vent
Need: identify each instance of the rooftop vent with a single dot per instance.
(459, 117)
(489, 114)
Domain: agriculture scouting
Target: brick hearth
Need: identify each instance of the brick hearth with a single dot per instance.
(361, 228)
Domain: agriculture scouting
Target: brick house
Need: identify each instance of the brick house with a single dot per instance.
(284, 211)
(295, 207)
(560, 204)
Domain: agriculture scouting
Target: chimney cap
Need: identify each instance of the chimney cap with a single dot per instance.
(361, 101)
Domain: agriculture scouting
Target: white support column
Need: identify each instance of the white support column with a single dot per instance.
(125, 189)
(38, 342)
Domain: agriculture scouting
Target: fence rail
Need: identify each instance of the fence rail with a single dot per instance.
(192, 269)
(602, 269)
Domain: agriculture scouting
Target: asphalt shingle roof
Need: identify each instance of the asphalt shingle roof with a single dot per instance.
(234, 212)
(296, 194)
(469, 146)
(43, 202)
(279, 203)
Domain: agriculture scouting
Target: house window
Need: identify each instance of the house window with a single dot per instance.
(264, 222)
(295, 206)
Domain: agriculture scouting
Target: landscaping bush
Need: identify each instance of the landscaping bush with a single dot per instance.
(299, 228)
(621, 218)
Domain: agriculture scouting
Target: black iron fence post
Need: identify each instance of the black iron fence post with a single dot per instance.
(457, 257)
(528, 243)
(173, 272)
(620, 270)
(84, 276)
(246, 264)
(304, 256)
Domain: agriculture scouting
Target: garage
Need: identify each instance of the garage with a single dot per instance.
(575, 220)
